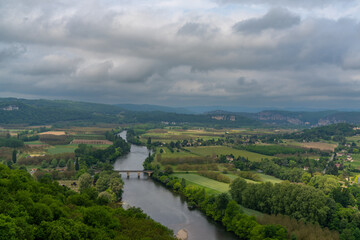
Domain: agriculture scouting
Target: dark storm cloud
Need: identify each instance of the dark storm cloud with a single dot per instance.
(277, 18)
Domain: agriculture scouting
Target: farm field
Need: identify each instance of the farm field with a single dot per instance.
(167, 135)
(70, 148)
(356, 162)
(218, 150)
(324, 146)
(232, 177)
(209, 184)
(355, 138)
(268, 178)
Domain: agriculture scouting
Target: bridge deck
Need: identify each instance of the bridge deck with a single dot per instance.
(145, 171)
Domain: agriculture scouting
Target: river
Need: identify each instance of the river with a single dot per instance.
(161, 204)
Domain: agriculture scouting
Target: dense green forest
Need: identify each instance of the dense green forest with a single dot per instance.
(303, 202)
(45, 210)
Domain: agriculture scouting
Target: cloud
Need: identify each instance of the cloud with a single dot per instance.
(52, 65)
(11, 51)
(196, 29)
(166, 54)
(289, 3)
(277, 18)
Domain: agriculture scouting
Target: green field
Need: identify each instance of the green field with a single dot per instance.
(70, 148)
(356, 162)
(210, 185)
(224, 150)
(268, 178)
(167, 154)
(353, 138)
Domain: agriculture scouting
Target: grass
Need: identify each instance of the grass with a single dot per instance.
(356, 162)
(224, 150)
(210, 185)
(68, 184)
(268, 178)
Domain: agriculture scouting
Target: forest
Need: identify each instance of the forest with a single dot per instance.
(31, 209)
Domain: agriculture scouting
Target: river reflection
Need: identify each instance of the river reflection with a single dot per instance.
(162, 205)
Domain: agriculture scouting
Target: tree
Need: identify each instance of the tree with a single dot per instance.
(168, 170)
(77, 164)
(54, 163)
(62, 163)
(116, 186)
(236, 189)
(85, 181)
(70, 165)
(14, 153)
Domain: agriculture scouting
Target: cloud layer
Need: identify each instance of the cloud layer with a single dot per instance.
(181, 52)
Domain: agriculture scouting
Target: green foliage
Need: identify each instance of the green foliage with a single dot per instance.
(11, 142)
(44, 210)
(85, 181)
(271, 150)
(301, 202)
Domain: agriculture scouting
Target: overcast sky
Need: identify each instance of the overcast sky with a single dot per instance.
(251, 53)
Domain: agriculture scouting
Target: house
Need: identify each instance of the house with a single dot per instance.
(10, 108)
(229, 158)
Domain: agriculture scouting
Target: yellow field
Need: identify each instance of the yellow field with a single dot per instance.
(56, 133)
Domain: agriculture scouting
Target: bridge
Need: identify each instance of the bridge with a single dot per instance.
(149, 172)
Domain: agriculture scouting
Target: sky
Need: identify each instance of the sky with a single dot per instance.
(250, 53)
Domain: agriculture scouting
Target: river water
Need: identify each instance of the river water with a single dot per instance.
(161, 204)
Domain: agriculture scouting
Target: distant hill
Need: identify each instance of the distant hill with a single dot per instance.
(35, 112)
(152, 108)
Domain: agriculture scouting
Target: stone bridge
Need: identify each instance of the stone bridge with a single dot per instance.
(149, 172)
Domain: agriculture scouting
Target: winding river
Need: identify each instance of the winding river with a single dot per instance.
(162, 205)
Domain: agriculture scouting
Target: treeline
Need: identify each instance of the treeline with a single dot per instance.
(92, 156)
(215, 176)
(299, 230)
(44, 210)
(336, 132)
(187, 160)
(304, 203)
(223, 209)
(11, 142)
(271, 150)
